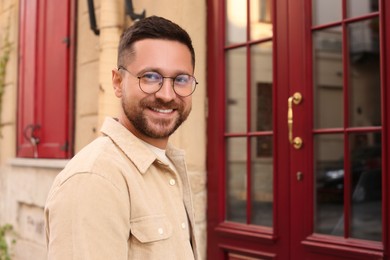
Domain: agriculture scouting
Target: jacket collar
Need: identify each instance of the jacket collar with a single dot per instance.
(134, 148)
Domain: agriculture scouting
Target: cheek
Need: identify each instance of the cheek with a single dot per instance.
(127, 92)
(187, 105)
(188, 102)
(132, 97)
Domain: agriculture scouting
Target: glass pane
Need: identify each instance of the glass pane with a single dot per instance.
(329, 184)
(236, 94)
(261, 181)
(364, 74)
(361, 7)
(236, 21)
(261, 87)
(328, 78)
(261, 23)
(236, 180)
(324, 12)
(366, 186)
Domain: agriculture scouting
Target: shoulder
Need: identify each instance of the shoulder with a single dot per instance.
(101, 159)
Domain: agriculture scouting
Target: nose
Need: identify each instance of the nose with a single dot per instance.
(166, 91)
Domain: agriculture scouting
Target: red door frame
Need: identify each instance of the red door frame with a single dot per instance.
(385, 35)
(291, 238)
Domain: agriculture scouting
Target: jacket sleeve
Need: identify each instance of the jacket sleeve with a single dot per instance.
(87, 217)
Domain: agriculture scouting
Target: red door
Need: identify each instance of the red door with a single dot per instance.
(248, 188)
(297, 165)
(338, 176)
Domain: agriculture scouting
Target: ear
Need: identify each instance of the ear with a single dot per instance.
(117, 82)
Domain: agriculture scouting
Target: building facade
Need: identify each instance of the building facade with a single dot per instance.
(287, 143)
(57, 91)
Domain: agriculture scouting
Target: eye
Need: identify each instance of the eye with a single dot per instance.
(151, 77)
(182, 80)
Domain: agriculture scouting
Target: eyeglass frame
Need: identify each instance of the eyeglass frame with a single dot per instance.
(162, 81)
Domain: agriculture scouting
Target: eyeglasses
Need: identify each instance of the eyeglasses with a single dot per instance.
(151, 82)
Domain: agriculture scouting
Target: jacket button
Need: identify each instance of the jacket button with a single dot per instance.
(172, 182)
(161, 231)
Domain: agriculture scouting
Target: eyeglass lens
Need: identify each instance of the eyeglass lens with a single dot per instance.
(151, 82)
(183, 84)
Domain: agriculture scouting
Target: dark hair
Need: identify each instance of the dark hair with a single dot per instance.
(152, 27)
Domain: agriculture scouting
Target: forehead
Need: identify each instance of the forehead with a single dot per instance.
(161, 54)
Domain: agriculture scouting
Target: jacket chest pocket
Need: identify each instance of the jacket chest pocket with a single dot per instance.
(151, 228)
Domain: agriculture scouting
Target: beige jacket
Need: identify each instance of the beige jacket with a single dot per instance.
(116, 200)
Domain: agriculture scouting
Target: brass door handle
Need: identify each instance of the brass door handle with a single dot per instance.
(295, 141)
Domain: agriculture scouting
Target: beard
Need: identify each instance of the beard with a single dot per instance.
(152, 127)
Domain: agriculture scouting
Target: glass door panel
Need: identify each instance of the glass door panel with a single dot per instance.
(249, 112)
(329, 184)
(347, 132)
(324, 12)
(236, 91)
(236, 180)
(366, 185)
(261, 181)
(236, 21)
(328, 78)
(261, 126)
(261, 19)
(261, 87)
(361, 7)
(364, 84)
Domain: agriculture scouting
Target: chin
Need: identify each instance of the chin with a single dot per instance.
(161, 133)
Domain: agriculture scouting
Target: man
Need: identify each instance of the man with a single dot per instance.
(126, 195)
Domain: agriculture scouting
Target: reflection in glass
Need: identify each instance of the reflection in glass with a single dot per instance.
(361, 7)
(328, 78)
(324, 12)
(261, 87)
(260, 15)
(364, 74)
(261, 182)
(329, 184)
(236, 93)
(236, 180)
(366, 186)
(236, 21)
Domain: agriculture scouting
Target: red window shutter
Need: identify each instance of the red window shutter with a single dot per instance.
(27, 73)
(44, 110)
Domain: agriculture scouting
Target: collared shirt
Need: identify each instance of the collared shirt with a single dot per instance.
(116, 200)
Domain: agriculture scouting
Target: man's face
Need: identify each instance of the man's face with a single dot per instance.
(158, 115)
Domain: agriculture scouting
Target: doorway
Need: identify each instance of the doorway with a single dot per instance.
(297, 129)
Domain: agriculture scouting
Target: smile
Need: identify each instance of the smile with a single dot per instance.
(165, 111)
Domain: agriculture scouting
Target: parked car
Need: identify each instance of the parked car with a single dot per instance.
(366, 177)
